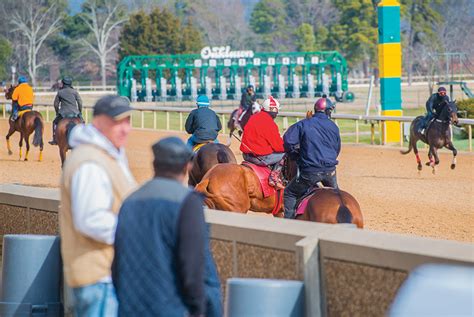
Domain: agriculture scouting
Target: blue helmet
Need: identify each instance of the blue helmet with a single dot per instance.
(22, 79)
(202, 101)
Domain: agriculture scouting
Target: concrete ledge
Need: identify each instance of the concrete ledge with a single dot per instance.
(339, 265)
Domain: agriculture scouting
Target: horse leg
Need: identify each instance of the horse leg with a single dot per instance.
(432, 154)
(20, 144)
(10, 132)
(27, 142)
(451, 147)
(62, 154)
(418, 160)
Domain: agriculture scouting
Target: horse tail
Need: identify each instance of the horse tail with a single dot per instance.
(202, 188)
(344, 215)
(38, 137)
(410, 146)
(223, 156)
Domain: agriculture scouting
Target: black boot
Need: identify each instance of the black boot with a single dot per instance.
(53, 141)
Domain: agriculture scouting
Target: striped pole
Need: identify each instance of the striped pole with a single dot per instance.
(390, 65)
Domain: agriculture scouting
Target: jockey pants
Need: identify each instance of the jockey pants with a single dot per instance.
(301, 184)
(264, 160)
(192, 141)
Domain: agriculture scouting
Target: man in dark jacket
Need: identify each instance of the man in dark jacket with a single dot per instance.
(246, 102)
(433, 102)
(316, 143)
(163, 265)
(67, 104)
(203, 123)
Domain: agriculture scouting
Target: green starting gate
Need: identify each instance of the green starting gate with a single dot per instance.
(223, 74)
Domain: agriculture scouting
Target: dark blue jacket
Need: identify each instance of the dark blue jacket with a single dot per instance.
(434, 101)
(204, 124)
(163, 265)
(316, 141)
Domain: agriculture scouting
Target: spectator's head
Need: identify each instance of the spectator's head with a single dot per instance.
(249, 88)
(67, 81)
(441, 91)
(112, 118)
(22, 79)
(172, 158)
(272, 106)
(320, 105)
(202, 101)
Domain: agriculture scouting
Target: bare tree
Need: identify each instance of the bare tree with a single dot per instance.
(103, 18)
(35, 21)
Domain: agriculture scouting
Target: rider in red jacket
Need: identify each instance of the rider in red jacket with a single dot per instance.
(262, 143)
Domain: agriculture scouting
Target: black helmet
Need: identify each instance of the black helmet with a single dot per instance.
(67, 81)
(249, 87)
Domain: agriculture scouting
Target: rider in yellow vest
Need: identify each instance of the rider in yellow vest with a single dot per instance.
(22, 98)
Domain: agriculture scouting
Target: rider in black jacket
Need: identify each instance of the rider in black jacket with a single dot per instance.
(433, 102)
(67, 103)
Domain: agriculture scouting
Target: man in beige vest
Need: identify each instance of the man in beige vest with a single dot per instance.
(95, 181)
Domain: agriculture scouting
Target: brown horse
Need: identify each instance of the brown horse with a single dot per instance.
(63, 129)
(438, 135)
(234, 123)
(26, 124)
(206, 157)
(236, 188)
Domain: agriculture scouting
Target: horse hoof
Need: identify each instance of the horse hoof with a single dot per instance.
(427, 163)
(420, 167)
(10, 153)
(26, 159)
(453, 166)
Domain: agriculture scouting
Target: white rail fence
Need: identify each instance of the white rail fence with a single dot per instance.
(377, 123)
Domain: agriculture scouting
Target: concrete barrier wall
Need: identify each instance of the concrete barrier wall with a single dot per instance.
(347, 272)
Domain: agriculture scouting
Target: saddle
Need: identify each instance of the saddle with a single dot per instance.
(200, 145)
(22, 112)
(303, 201)
(263, 173)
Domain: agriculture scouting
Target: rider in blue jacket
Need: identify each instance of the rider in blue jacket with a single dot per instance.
(316, 143)
(203, 123)
(433, 102)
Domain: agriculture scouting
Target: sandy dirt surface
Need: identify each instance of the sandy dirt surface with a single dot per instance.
(393, 196)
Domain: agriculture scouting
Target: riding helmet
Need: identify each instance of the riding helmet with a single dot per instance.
(22, 79)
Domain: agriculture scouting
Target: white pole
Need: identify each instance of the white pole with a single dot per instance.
(369, 96)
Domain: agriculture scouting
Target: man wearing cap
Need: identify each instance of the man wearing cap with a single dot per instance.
(163, 265)
(261, 142)
(94, 182)
(433, 102)
(22, 97)
(67, 104)
(246, 102)
(316, 144)
(203, 123)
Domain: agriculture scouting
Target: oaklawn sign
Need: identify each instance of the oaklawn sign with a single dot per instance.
(219, 52)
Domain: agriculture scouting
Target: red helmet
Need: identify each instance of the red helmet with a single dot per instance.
(320, 105)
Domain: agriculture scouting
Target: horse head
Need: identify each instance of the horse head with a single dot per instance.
(256, 107)
(9, 92)
(453, 112)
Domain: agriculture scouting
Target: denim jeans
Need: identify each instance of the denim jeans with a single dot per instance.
(96, 300)
(192, 141)
(264, 160)
(300, 185)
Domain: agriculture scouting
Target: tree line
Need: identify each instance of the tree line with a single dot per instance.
(45, 41)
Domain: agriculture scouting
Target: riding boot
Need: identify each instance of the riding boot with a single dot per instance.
(275, 178)
(53, 141)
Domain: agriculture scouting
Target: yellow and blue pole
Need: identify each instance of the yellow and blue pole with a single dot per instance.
(390, 66)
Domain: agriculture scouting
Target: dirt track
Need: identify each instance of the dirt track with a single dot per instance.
(393, 196)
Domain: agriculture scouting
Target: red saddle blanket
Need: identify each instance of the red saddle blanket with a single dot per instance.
(263, 173)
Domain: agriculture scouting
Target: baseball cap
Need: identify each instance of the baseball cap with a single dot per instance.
(116, 107)
(171, 151)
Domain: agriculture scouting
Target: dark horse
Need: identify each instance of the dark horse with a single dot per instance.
(233, 187)
(26, 124)
(206, 157)
(234, 124)
(63, 129)
(437, 135)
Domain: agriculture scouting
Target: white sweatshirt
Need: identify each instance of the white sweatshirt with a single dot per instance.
(91, 188)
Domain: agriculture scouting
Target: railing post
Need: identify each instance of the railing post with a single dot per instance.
(86, 119)
(47, 113)
(167, 120)
(142, 113)
(285, 123)
(469, 133)
(4, 110)
(154, 120)
(401, 133)
(372, 133)
(131, 119)
(180, 121)
(357, 131)
(382, 130)
(223, 123)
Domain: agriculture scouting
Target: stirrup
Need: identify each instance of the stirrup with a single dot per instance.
(53, 142)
